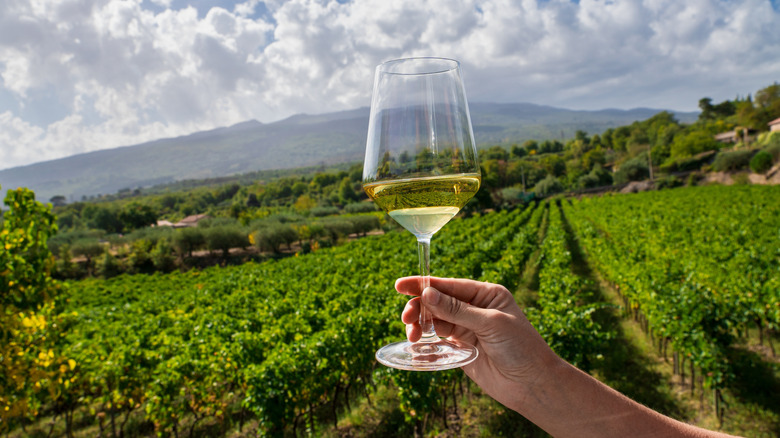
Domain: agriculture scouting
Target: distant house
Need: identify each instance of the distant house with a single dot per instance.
(739, 134)
(727, 137)
(774, 125)
(190, 221)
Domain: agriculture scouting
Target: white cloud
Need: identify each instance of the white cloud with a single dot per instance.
(125, 74)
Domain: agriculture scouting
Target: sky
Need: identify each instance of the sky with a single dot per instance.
(83, 75)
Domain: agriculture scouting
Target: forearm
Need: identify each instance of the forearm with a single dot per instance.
(567, 402)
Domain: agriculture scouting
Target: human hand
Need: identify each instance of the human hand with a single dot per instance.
(513, 357)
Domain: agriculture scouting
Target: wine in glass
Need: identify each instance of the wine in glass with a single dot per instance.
(421, 168)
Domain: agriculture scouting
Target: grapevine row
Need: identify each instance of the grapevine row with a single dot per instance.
(695, 270)
(564, 309)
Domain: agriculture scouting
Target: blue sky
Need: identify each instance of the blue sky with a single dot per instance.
(81, 75)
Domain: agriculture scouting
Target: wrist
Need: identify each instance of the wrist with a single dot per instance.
(535, 389)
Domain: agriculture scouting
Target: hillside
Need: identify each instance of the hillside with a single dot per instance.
(301, 140)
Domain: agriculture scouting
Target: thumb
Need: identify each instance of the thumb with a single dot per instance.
(453, 310)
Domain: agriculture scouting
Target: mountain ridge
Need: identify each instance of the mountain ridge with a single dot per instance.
(297, 141)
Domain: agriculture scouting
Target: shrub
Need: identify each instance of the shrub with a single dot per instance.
(89, 249)
(364, 223)
(596, 178)
(634, 169)
(273, 235)
(360, 207)
(187, 240)
(162, 256)
(108, 266)
(71, 237)
(139, 259)
(223, 238)
(152, 234)
(669, 182)
(548, 186)
(761, 162)
(324, 211)
(337, 227)
(727, 161)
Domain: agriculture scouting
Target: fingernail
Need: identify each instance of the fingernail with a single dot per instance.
(432, 295)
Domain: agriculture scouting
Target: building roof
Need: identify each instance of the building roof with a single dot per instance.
(726, 136)
(194, 219)
(774, 122)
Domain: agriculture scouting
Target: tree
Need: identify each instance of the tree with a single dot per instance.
(346, 192)
(592, 158)
(29, 363)
(554, 165)
(692, 143)
(518, 151)
(187, 240)
(531, 147)
(89, 249)
(548, 186)
(705, 105)
(251, 201)
(635, 169)
(103, 218)
(224, 238)
(58, 201)
(136, 215)
(494, 153)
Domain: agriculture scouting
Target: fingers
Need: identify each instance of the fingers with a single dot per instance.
(475, 292)
(450, 309)
(444, 329)
(411, 312)
(411, 315)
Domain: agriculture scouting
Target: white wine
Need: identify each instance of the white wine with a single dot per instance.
(424, 205)
(424, 221)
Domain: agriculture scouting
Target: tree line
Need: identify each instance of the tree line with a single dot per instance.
(672, 152)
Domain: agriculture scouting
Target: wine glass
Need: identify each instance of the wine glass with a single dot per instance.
(421, 168)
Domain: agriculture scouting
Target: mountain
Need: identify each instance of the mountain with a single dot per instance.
(301, 140)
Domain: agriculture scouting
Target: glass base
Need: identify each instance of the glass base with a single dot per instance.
(426, 356)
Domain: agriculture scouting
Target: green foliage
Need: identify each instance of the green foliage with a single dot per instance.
(761, 162)
(554, 165)
(162, 256)
(108, 266)
(225, 237)
(720, 111)
(139, 260)
(668, 182)
(272, 235)
(596, 178)
(548, 186)
(29, 364)
(770, 141)
(692, 143)
(635, 169)
(324, 211)
(360, 207)
(696, 289)
(727, 161)
(187, 240)
(563, 314)
(136, 215)
(758, 112)
(686, 164)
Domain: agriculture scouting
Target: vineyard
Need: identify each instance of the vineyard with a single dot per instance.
(285, 347)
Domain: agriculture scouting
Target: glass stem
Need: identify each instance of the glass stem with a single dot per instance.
(426, 319)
